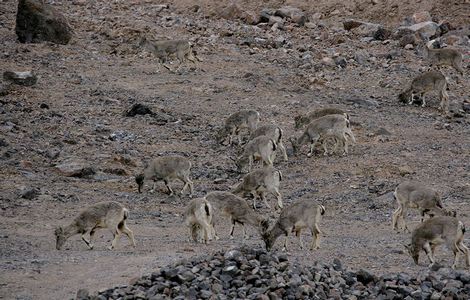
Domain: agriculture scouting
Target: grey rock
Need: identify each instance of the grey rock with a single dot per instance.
(30, 193)
(341, 61)
(365, 277)
(408, 39)
(20, 78)
(292, 13)
(83, 294)
(426, 30)
(75, 168)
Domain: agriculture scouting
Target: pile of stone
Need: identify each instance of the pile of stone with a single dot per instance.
(246, 273)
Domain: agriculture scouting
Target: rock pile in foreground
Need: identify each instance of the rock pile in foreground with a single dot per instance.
(256, 274)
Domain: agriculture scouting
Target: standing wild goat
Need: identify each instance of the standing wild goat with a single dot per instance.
(417, 195)
(445, 56)
(319, 130)
(302, 120)
(434, 232)
(302, 214)
(237, 210)
(108, 214)
(163, 49)
(235, 122)
(167, 168)
(275, 133)
(426, 82)
(260, 148)
(259, 182)
(198, 217)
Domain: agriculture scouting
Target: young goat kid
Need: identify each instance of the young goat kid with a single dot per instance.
(434, 232)
(167, 168)
(198, 217)
(260, 148)
(426, 82)
(416, 195)
(302, 214)
(302, 120)
(258, 183)
(275, 133)
(235, 123)
(237, 210)
(109, 214)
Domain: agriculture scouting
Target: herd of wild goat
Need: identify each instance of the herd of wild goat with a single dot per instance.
(328, 127)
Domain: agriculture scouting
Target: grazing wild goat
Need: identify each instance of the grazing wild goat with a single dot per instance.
(167, 168)
(108, 214)
(198, 217)
(334, 127)
(260, 148)
(417, 195)
(235, 122)
(238, 210)
(258, 183)
(275, 133)
(445, 56)
(434, 232)
(163, 49)
(302, 214)
(302, 120)
(426, 82)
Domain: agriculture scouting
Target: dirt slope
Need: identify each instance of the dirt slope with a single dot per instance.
(75, 113)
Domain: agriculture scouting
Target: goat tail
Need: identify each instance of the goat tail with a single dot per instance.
(280, 175)
(322, 209)
(274, 145)
(207, 208)
(280, 134)
(462, 227)
(395, 195)
(126, 214)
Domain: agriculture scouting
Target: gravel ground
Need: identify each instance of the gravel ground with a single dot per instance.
(75, 114)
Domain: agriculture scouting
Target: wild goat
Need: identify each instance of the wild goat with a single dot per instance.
(417, 195)
(198, 217)
(434, 232)
(275, 133)
(302, 120)
(302, 214)
(259, 182)
(163, 49)
(319, 130)
(167, 168)
(235, 122)
(426, 82)
(108, 214)
(445, 56)
(237, 210)
(260, 148)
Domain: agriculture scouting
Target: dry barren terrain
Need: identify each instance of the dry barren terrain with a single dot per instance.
(75, 114)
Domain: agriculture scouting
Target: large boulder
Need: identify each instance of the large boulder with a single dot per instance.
(235, 11)
(38, 22)
(292, 13)
(426, 30)
(365, 29)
